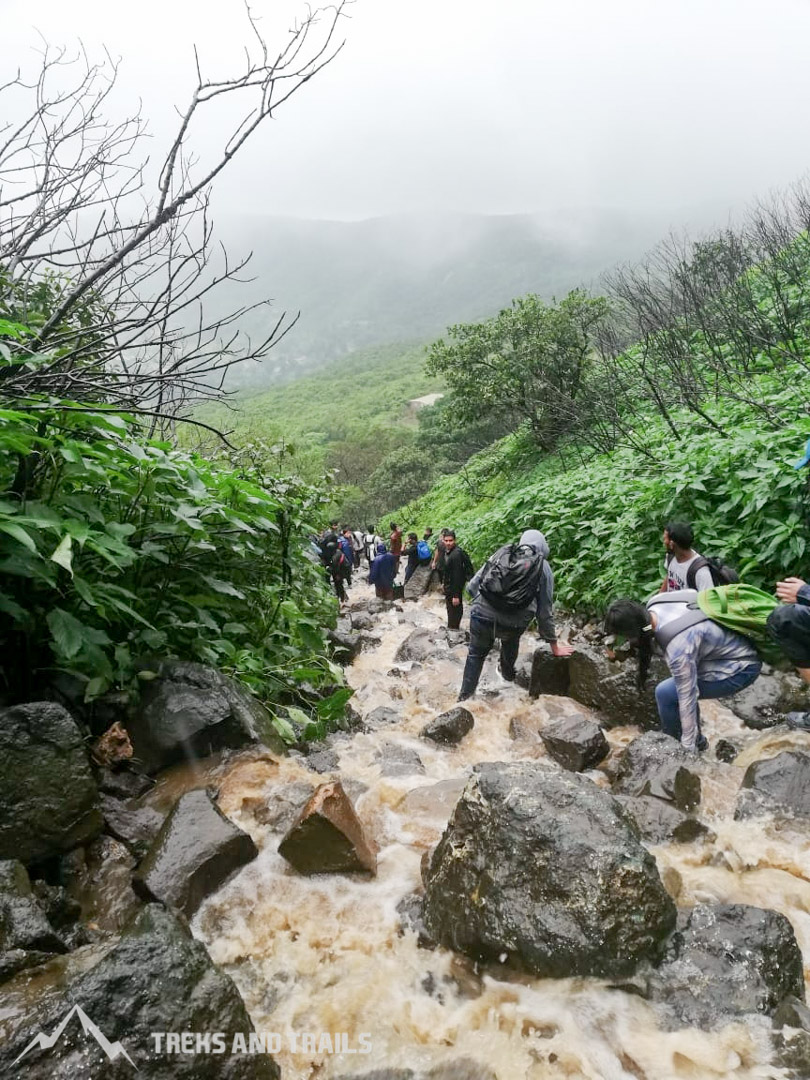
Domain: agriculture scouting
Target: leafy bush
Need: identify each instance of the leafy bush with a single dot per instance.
(114, 547)
(604, 517)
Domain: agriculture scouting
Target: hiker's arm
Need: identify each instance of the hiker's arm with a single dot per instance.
(545, 605)
(681, 658)
(475, 581)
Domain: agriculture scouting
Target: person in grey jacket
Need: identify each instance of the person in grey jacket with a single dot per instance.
(487, 624)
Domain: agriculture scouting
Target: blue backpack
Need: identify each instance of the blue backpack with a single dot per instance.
(423, 550)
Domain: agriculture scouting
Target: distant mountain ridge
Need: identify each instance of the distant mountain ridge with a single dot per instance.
(407, 277)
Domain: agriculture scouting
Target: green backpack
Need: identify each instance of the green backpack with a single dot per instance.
(739, 607)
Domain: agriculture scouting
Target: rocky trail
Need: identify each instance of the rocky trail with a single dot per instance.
(528, 887)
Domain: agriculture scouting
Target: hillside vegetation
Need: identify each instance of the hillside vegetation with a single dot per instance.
(690, 402)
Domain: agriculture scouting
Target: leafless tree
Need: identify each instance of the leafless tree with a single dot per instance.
(108, 258)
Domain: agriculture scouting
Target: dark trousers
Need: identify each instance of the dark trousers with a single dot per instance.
(483, 633)
(454, 613)
(340, 587)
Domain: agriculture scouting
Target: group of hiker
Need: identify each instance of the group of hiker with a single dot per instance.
(711, 629)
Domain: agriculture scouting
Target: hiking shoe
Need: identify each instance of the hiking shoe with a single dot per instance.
(702, 743)
(508, 678)
(798, 721)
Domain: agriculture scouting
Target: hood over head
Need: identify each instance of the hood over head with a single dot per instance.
(381, 549)
(534, 538)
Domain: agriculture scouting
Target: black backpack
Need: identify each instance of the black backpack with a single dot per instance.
(512, 577)
(341, 567)
(721, 573)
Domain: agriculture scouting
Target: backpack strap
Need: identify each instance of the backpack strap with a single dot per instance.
(692, 572)
(691, 617)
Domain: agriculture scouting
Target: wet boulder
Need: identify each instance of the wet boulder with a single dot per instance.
(418, 645)
(322, 761)
(609, 686)
(791, 1038)
(418, 583)
(157, 979)
(381, 716)
(398, 760)
(328, 837)
(194, 853)
(728, 961)
(542, 870)
(575, 742)
(123, 783)
(23, 923)
(189, 711)
(132, 824)
(347, 645)
(545, 673)
(656, 764)
(779, 785)
(768, 699)
(450, 727)
(48, 797)
(660, 822)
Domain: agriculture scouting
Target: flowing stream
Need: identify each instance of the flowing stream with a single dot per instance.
(327, 954)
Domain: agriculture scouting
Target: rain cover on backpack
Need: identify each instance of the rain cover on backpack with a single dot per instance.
(512, 577)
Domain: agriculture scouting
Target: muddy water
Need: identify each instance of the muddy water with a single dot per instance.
(326, 954)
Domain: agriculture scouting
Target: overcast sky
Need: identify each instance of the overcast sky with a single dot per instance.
(498, 107)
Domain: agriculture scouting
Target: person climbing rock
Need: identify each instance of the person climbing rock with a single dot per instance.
(457, 572)
(411, 553)
(513, 587)
(706, 659)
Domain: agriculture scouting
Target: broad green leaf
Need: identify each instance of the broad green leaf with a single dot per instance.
(18, 533)
(63, 555)
(67, 633)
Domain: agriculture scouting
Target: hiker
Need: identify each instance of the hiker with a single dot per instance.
(347, 547)
(341, 573)
(706, 659)
(382, 573)
(427, 536)
(357, 546)
(370, 541)
(439, 554)
(503, 608)
(395, 542)
(456, 573)
(685, 568)
(411, 553)
(789, 626)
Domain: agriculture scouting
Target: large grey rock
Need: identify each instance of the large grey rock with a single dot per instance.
(610, 687)
(779, 785)
(190, 711)
(450, 727)
(23, 924)
(575, 742)
(418, 645)
(381, 716)
(132, 824)
(791, 1038)
(418, 583)
(347, 645)
(546, 674)
(544, 868)
(766, 701)
(729, 960)
(48, 797)
(656, 764)
(196, 850)
(157, 979)
(660, 822)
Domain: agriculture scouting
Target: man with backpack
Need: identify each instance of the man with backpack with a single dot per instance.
(457, 572)
(707, 660)
(513, 587)
(685, 568)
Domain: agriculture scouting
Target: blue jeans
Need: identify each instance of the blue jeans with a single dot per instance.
(482, 637)
(666, 696)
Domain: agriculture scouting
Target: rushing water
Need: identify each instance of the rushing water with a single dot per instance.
(327, 953)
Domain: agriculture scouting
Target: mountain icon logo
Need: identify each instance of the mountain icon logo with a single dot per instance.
(45, 1042)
